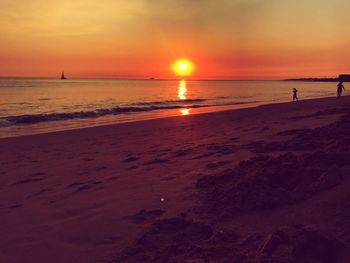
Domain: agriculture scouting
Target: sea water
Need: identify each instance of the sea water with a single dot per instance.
(39, 105)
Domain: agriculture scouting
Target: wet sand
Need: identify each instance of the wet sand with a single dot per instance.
(264, 184)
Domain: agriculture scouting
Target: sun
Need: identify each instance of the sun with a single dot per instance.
(183, 67)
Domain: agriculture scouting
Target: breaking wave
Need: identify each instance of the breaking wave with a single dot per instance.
(36, 118)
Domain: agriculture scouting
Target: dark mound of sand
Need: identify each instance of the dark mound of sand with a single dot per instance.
(299, 244)
(178, 240)
(266, 182)
(181, 240)
(167, 240)
(333, 137)
(338, 110)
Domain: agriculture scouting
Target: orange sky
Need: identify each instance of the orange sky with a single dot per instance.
(228, 39)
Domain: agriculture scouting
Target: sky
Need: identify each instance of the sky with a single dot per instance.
(225, 39)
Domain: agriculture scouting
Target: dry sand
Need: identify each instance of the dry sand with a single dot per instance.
(264, 184)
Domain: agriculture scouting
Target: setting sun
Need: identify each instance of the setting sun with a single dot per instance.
(183, 67)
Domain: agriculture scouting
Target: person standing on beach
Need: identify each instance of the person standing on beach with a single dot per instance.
(295, 95)
(340, 89)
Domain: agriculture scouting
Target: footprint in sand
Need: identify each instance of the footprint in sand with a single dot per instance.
(132, 167)
(201, 156)
(157, 161)
(42, 191)
(169, 178)
(145, 216)
(113, 178)
(15, 206)
(87, 159)
(184, 152)
(294, 132)
(217, 149)
(214, 166)
(34, 177)
(100, 168)
(82, 186)
(131, 159)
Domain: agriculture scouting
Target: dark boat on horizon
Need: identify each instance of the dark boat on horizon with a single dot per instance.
(63, 76)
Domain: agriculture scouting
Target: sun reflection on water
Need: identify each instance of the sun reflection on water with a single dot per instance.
(182, 91)
(185, 111)
(182, 95)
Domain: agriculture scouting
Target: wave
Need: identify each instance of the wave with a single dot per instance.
(4, 122)
(37, 118)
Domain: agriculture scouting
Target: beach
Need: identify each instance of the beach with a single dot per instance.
(262, 184)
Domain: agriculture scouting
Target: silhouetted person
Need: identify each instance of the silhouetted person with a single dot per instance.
(295, 95)
(340, 89)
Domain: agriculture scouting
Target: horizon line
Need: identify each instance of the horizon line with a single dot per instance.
(166, 79)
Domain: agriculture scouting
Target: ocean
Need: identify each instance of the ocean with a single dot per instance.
(39, 105)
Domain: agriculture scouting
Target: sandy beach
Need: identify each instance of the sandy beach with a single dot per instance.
(264, 184)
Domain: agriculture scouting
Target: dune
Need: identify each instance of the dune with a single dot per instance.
(263, 184)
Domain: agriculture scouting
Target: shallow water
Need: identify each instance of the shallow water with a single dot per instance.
(34, 105)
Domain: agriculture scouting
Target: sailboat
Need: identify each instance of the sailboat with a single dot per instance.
(62, 75)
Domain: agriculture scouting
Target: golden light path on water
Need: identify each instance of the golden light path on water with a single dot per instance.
(185, 111)
(182, 91)
(182, 95)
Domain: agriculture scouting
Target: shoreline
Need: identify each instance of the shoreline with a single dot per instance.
(200, 111)
(126, 192)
